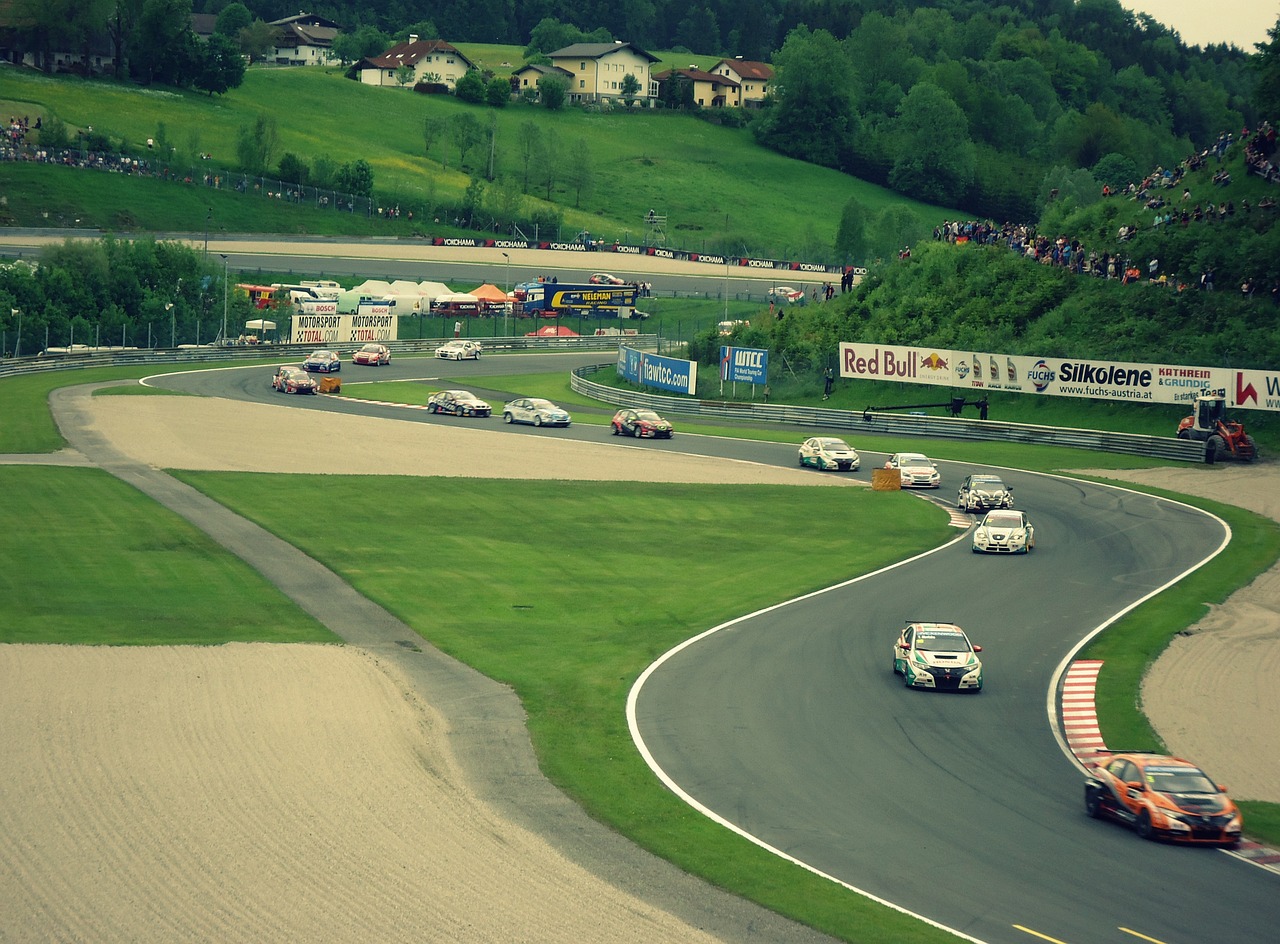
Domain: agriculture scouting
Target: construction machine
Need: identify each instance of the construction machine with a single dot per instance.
(1222, 437)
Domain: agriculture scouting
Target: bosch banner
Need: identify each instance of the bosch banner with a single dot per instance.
(1059, 376)
(654, 370)
(745, 364)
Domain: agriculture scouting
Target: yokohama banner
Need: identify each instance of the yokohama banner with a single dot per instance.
(1059, 376)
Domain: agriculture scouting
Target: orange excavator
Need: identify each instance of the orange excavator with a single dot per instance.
(1222, 437)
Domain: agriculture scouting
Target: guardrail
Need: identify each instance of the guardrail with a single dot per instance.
(196, 355)
(938, 427)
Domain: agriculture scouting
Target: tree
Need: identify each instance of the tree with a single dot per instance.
(166, 47)
(934, 159)
(257, 40)
(120, 25)
(466, 135)
(553, 91)
(581, 175)
(813, 114)
(431, 129)
(355, 177)
(363, 43)
(699, 29)
(221, 67)
(528, 141)
(630, 89)
(1266, 95)
(546, 166)
(404, 74)
(234, 17)
(852, 244)
(293, 169)
(423, 30)
(256, 144)
(550, 34)
(498, 92)
(470, 88)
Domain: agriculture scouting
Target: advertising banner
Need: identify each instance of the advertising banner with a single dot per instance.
(654, 370)
(745, 364)
(1085, 378)
(332, 330)
(607, 297)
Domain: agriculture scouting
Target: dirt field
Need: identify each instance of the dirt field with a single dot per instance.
(312, 793)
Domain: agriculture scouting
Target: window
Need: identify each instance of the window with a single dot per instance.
(582, 67)
(582, 83)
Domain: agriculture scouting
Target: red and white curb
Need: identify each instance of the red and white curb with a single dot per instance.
(1084, 737)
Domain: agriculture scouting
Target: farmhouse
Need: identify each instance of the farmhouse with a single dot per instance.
(708, 89)
(598, 70)
(428, 61)
(303, 40)
(752, 78)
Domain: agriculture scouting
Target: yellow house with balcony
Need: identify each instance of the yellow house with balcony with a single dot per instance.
(598, 71)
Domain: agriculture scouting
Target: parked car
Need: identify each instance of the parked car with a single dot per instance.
(937, 656)
(785, 293)
(536, 411)
(1004, 531)
(458, 403)
(829, 454)
(294, 380)
(459, 349)
(643, 424)
(917, 470)
(1162, 797)
(372, 354)
(983, 492)
(324, 362)
(604, 278)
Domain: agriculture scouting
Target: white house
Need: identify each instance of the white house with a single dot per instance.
(303, 40)
(598, 71)
(433, 61)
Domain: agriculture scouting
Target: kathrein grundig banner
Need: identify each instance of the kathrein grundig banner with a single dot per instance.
(371, 323)
(1090, 378)
(744, 364)
(654, 370)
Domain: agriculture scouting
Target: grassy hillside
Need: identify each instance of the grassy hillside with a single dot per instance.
(719, 190)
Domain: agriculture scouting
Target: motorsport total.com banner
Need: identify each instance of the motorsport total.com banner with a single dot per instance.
(654, 370)
(1059, 376)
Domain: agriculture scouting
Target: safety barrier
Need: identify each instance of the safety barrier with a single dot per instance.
(937, 427)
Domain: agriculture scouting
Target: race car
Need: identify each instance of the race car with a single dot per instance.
(294, 380)
(604, 278)
(983, 492)
(937, 656)
(1004, 532)
(917, 470)
(536, 411)
(459, 349)
(458, 403)
(372, 354)
(1162, 797)
(325, 362)
(828, 454)
(643, 424)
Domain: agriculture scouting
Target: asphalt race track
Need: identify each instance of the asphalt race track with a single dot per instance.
(790, 727)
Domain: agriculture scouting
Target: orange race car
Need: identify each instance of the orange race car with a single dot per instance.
(1162, 797)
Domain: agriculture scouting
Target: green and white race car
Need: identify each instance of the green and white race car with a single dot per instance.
(829, 454)
(937, 656)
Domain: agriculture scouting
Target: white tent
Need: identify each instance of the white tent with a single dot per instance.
(259, 324)
(430, 290)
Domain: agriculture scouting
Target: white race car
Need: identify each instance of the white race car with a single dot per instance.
(827, 453)
(1004, 531)
(937, 656)
(917, 470)
(535, 411)
(459, 350)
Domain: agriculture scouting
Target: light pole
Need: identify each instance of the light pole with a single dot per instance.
(224, 296)
(17, 344)
(173, 324)
(207, 220)
(506, 320)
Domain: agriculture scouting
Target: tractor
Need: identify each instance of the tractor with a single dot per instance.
(1222, 437)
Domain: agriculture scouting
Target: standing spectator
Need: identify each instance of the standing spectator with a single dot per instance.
(828, 378)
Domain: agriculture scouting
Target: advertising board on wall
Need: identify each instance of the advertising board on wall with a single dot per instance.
(373, 322)
(1090, 378)
(654, 370)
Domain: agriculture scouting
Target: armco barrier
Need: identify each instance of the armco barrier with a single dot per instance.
(937, 427)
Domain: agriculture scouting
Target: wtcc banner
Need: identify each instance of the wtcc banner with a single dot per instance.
(1059, 376)
(654, 370)
(745, 364)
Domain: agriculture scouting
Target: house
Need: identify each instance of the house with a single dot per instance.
(433, 61)
(598, 70)
(709, 89)
(753, 79)
(26, 39)
(203, 25)
(303, 40)
(529, 75)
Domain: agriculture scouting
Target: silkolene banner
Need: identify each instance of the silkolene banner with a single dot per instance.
(1059, 376)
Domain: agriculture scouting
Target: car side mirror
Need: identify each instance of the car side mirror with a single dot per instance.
(977, 648)
(904, 646)
(1135, 785)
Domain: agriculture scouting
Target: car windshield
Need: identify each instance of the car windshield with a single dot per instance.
(1179, 780)
(372, 348)
(648, 416)
(942, 642)
(988, 483)
(541, 405)
(834, 445)
(1003, 521)
(321, 355)
(915, 462)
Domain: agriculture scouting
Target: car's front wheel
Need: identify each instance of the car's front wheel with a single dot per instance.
(1142, 825)
(1092, 803)
(537, 421)
(506, 417)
